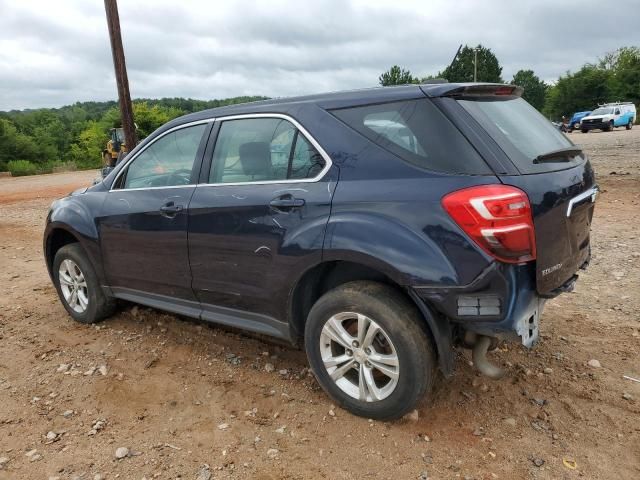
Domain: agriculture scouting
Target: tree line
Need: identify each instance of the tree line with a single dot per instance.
(45, 140)
(614, 77)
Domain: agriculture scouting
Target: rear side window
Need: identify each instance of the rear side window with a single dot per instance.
(417, 132)
(263, 150)
(522, 133)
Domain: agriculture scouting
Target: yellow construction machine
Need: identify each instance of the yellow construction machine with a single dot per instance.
(115, 149)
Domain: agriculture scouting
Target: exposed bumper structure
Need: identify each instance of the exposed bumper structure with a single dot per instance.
(502, 302)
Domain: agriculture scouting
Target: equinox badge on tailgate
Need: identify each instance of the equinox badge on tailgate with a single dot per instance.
(549, 270)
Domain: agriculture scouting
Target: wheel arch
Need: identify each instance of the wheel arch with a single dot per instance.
(57, 238)
(57, 235)
(325, 276)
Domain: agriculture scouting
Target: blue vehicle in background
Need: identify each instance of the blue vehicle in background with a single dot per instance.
(574, 123)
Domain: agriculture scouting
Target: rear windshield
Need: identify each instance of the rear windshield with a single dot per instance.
(522, 132)
(417, 132)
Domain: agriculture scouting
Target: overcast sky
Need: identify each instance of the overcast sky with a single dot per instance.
(53, 53)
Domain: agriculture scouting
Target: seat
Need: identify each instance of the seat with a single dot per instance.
(255, 159)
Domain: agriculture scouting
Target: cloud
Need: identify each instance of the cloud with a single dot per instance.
(53, 54)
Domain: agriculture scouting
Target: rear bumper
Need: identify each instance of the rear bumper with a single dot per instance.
(502, 302)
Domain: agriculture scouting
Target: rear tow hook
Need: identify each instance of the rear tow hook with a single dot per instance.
(481, 361)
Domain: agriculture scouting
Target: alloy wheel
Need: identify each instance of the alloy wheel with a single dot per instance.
(73, 286)
(359, 356)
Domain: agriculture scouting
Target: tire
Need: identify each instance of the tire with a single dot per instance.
(90, 304)
(402, 334)
(576, 125)
(609, 128)
(629, 125)
(585, 131)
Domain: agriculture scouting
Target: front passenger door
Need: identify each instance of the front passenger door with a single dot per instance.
(143, 226)
(618, 119)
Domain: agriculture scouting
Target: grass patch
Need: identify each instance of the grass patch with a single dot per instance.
(20, 168)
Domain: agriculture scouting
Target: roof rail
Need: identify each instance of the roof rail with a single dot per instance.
(613, 104)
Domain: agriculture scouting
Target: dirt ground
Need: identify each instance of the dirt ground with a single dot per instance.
(193, 401)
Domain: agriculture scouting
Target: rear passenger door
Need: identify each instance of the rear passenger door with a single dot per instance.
(258, 219)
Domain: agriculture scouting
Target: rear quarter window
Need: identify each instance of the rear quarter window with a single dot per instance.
(417, 132)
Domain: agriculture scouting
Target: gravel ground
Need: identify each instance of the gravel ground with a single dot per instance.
(148, 395)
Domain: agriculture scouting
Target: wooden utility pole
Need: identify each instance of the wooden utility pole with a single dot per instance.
(126, 109)
(475, 64)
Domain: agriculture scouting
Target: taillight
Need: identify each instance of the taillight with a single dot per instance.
(498, 218)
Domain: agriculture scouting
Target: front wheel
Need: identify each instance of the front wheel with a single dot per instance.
(368, 348)
(629, 125)
(78, 286)
(609, 128)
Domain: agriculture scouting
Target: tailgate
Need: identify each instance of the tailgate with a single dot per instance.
(555, 174)
(562, 204)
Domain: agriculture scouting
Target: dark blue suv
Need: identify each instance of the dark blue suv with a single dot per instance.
(378, 228)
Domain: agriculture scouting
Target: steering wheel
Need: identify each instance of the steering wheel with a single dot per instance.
(180, 177)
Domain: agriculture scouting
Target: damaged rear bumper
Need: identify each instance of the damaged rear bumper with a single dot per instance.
(502, 302)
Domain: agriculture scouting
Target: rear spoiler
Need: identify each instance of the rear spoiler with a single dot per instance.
(472, 90)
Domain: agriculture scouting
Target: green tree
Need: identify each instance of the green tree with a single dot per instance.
(461, 69)
(77, 133)
(574, 92)
(396, 76)
(148, 118)
(625, 78)
(86, 152)
(534, 89)
(15, 145)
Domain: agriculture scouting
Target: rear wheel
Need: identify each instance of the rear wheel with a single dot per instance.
(576, 125)
(78, 286)
(368, 349)
(629, 125)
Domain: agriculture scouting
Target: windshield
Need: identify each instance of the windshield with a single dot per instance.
(522, 133)
(602, 111)
(118, 135)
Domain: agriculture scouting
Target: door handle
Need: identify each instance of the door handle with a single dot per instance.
(170, 209)
(286, 202)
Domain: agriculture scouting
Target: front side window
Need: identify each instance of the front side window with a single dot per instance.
(263, 150)
(167, 162)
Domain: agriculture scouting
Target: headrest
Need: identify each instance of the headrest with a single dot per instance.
(255, 158)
